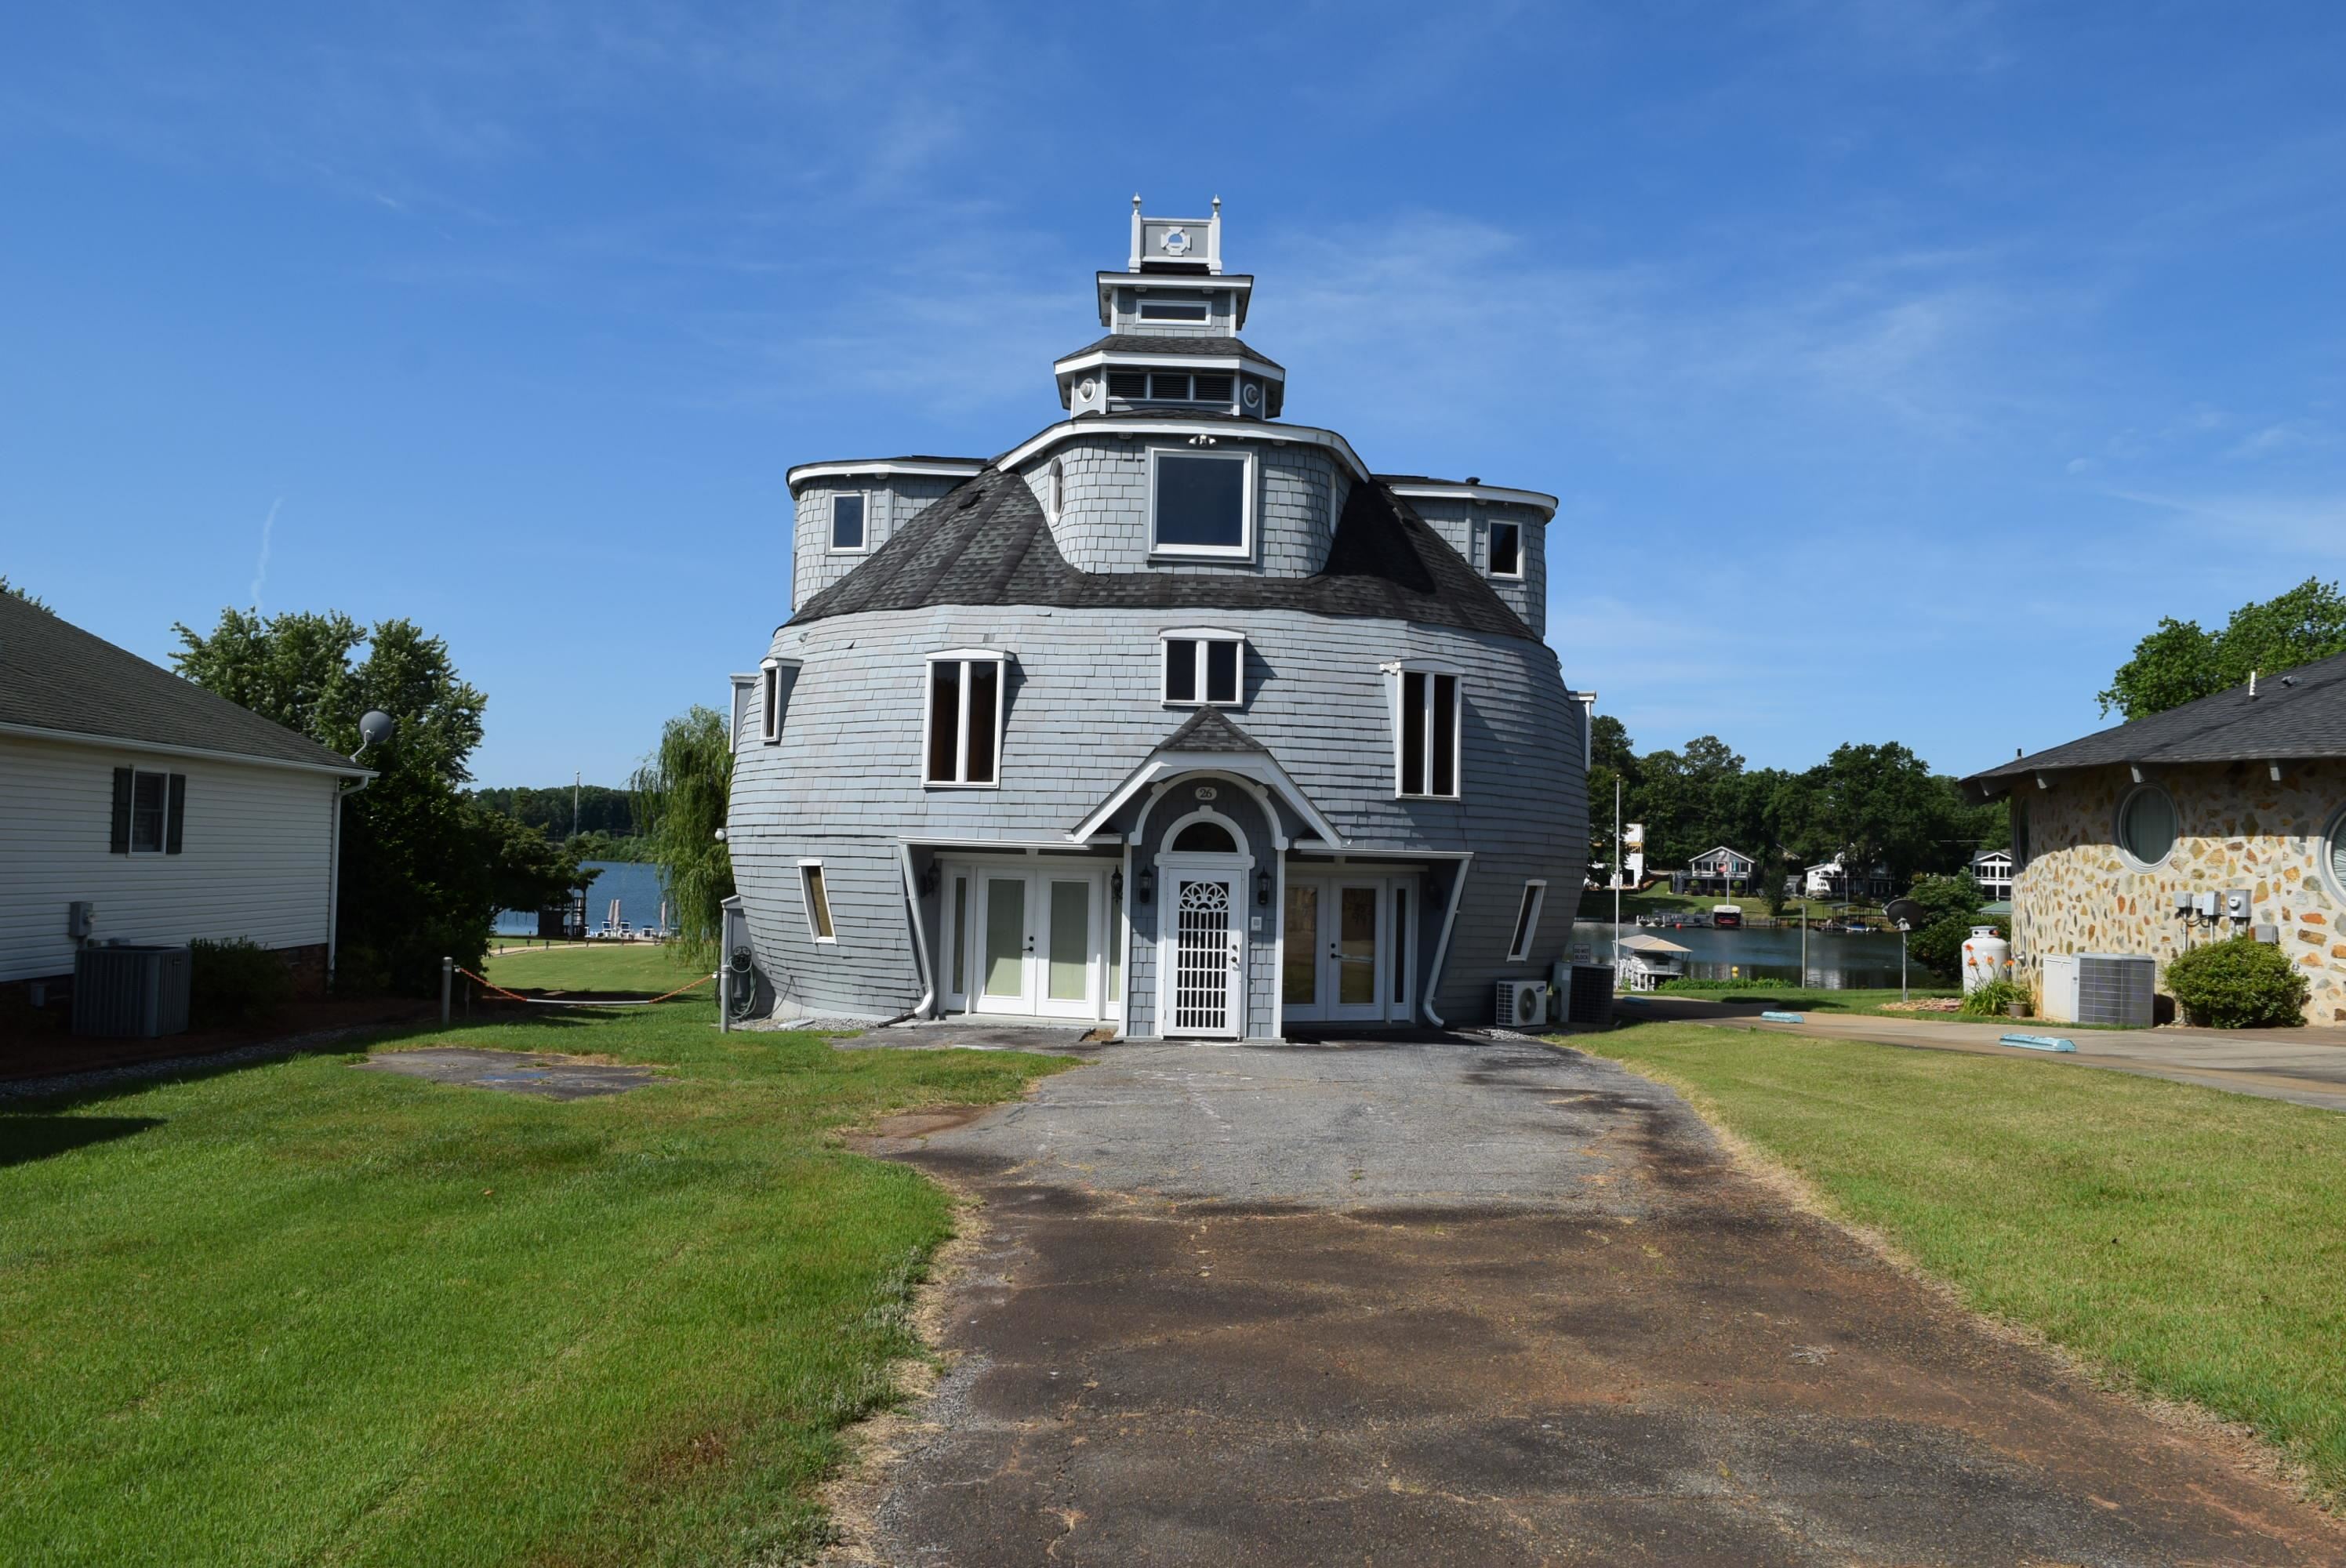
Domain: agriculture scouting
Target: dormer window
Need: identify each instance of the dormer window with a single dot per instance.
(1507, 549)
(847, 531)
(1201, 503)
(1204, 668)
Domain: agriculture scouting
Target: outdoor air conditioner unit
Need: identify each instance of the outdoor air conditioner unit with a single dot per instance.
(1523, 1004)
(130, 993)
(2116, 988)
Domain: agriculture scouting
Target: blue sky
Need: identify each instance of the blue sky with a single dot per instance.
(1898, 364)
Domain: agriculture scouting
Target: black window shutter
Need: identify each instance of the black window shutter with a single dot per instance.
(121, 842)
(176, 814)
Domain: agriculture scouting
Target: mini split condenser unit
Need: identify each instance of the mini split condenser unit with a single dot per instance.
(1523, 1004)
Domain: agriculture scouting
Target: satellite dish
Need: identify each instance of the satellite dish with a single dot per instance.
(1906, 914)
(375, 727)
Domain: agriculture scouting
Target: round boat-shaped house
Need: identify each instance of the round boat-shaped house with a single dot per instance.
(1174, 718)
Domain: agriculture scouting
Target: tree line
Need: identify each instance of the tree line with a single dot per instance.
(1876, 804)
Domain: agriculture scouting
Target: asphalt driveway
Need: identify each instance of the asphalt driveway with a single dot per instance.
(1480, 1302)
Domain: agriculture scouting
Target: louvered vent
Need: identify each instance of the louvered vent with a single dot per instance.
(1213, 389)
(1133, 385)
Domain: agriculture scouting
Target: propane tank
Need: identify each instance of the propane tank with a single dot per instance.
(1984, 956)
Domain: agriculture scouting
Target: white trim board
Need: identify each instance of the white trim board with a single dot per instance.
(161, 749)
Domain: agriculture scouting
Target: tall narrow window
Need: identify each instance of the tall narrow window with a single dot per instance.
(1204, 667)
(963, 743)
(1400, 947)
(1054, 491)
(1426, 749)
(961, 936)
(818, 902)
(1507, 549)
(1528, 915)
(847, 522)
(770, 696)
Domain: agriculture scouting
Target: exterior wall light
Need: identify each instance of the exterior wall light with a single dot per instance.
(1116, 883)
(1262, 888)
(1147, 886)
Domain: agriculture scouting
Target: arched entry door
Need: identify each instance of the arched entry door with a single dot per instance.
(1202, 936)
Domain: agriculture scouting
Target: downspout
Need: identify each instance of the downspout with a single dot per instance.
(334, 878)
(925, 1007)
(1441, 947)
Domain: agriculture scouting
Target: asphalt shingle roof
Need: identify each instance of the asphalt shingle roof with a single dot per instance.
(986, 543)
(1210, 729)
(2295, 715)
(54, 676)
(1174, 343)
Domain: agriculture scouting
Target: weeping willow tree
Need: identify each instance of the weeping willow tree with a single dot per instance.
(680, 797)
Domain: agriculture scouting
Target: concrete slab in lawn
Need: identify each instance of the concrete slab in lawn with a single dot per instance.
(514, 1072)
(1480, 1302)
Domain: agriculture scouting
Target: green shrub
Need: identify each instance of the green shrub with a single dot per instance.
(1991, 1000)
(235, 981)
(1727, 985)
(2242, 983)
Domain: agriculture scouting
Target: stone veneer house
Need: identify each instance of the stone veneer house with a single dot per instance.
(2241, 793)
(1172, 718)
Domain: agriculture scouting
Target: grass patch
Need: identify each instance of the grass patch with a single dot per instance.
(295, 1312)
(598, 966)
(2191, 1242)
(1785, 995)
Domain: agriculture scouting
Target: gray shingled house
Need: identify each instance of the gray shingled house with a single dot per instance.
(138, 805)
(1172, 717)
(2223, 817)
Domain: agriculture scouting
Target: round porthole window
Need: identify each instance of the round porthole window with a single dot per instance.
(2147, 825)
(2334, 856)
(1085, 388)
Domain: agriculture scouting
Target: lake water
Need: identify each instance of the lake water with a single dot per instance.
(1838, 960)
(636, 884)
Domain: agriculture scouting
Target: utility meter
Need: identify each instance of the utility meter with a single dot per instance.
(2236, 903)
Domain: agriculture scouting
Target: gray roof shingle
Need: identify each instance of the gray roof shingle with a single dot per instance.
(2296, 715)
(54, 676)
(1174, 343)
(986, 543)
(1210, 729)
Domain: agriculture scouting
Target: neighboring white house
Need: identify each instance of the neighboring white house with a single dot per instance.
(1991, 869)
(1720, 870)
(174, 813)
(1831, 879)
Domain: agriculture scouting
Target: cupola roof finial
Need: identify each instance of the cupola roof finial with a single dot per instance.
(1218, 206)
(1135, 201)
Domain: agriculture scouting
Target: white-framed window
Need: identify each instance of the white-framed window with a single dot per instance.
(769, 702)
(149, 811)
(1054, 491)
(1527, 913)
(1173, 308)
(818, 902)
(1507, 549)
(1201, 503)
(2147, 826)
(849, 522)
(1204, 668)
(1428, 717)
(961, 733)
(2333, 855)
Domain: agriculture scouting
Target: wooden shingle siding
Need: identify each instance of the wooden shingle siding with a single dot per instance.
(252, 863)
(1465, 527)
(893, 500)
(1082, 711)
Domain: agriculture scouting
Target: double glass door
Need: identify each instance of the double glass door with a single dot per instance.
(1032, 942)
(1345, 948)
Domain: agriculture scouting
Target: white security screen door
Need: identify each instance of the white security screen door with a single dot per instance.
(1208, 955)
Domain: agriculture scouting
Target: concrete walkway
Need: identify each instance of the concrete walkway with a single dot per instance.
(1486, 1302)
(2304, 1065)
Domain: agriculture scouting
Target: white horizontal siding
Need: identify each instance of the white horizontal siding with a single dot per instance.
(253, 864)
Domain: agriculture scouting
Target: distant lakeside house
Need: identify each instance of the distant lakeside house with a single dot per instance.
(170, 812)
(2241, 793)
(1991, 869)
(1833, 879)
(1721, 871)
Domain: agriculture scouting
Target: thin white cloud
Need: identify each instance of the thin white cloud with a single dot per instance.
(261, 569)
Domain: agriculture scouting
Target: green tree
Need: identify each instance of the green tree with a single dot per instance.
(1689, 801)
(680, 795)
(26, 595)
(1612, 759)
(2181, 662)
(1952, 904)
(424, 870)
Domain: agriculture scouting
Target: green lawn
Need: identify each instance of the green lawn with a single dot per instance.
(2191, 1242)
(1810, 999)
(295, 1312)
(599, 966)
